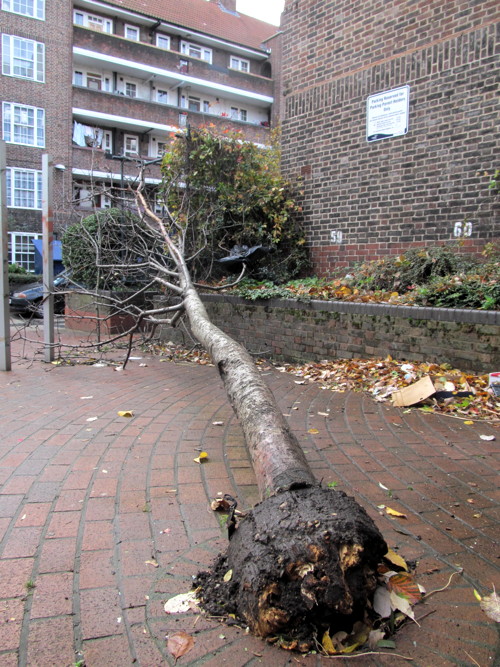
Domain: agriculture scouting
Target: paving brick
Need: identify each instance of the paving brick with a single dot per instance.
(158, 506)
(52, 595)
(101, 613)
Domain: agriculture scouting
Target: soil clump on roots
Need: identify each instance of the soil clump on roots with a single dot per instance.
(301, 562)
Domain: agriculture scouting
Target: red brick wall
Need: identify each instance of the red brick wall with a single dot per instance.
(54, 96)
(362, 200)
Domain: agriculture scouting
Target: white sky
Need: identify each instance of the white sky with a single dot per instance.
(265, 10)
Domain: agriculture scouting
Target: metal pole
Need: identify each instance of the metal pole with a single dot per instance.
(5, 360)
(48, 263)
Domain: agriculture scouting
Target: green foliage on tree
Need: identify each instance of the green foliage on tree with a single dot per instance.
(101, 251)
(231, 193)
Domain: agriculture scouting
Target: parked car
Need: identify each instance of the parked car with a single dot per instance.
(30, 300)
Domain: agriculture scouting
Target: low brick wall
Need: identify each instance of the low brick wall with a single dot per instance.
(316, 330)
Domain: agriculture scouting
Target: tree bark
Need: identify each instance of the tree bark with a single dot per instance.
(277, 458)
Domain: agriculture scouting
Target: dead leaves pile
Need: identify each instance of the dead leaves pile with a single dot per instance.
(382, 377)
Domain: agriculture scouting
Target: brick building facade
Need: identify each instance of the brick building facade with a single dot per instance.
(367, 198)
(86, 79)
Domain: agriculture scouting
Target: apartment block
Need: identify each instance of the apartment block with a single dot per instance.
(102, 84)
(390, 120)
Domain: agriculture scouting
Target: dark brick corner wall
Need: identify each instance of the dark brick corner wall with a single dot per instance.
(430, 186)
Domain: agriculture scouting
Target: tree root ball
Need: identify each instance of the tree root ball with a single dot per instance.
(299, 562)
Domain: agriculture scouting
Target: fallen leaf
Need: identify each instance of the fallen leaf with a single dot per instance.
(91, 419)
(217, 423)
(324, 414)
(179, 644)
(151, 562)
(327, 644)
(382, 602)
(228, 576)
(487, 437)
(404, 585)
(374, 637)
(125, 413)
(313, 431)
(477, 596)
(383, 487)
(469, 422)
(85, 398)
(396, 559)
(182, 603)
(392, 512)
(299, 381)
(402, 604)
(490, 604)
(202, 457)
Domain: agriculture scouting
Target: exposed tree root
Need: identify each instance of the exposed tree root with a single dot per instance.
(301, 561)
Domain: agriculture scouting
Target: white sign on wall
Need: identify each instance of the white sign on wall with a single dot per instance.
(387, 114)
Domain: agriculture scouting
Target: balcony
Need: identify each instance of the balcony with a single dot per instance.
(98, 50)
(141, 116)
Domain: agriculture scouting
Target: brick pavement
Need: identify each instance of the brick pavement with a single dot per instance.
(103, 518)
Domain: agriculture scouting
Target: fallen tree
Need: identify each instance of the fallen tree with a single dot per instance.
(305, 557)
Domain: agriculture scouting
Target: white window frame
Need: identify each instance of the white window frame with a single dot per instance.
(25, 255)
(11, 43)
(9, 125)
(128, 151)
(13, 173)
(162, 93)
(238, 114)
(130, 30)
(96, 197)
(191, 49)
(84, 76)
(91, 21)
(195, 101)
(22, 7)
(165, 38)
(130, 83)
(239, 63)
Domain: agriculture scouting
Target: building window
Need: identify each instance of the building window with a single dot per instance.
(91, 80)
(196, 51)
(206, 106)
(94, 81)
(162, 96)
(239, 63)
(92, 21)
(132, 32)
(130, 145)
(23, 125)
(23, 58)
(90, 196)
(24, 188)
(33, 8)
(183, 66)
(182, 119)
(238, 114)
(194, 103)
(22, 250)
(130, 89)
(87, 136)
(163, 41)
(161, 147)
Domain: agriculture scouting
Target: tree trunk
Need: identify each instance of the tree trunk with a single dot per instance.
(278, 461)
(304, 558)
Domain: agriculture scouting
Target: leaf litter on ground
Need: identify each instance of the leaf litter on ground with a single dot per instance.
(469, 395)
